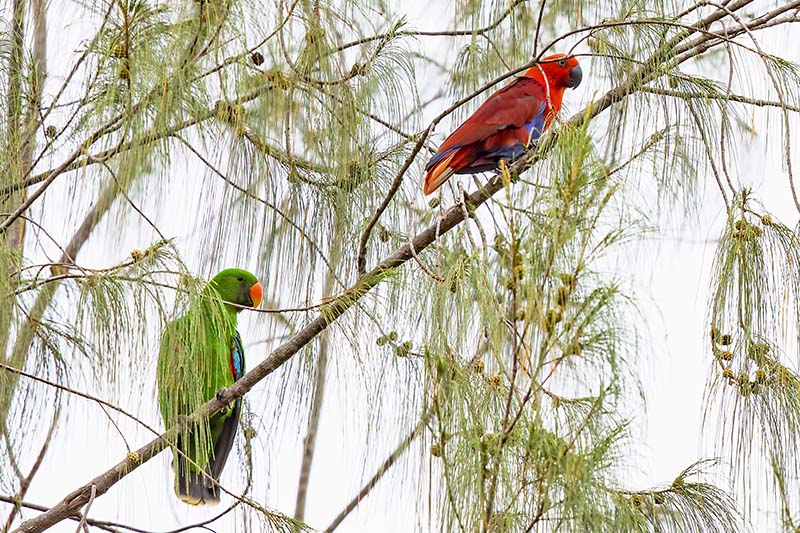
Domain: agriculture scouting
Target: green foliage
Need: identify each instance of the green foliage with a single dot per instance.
(513, 434)
(267, 135)
(755, 297)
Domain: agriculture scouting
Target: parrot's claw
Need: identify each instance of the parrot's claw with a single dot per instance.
(183, 420)
(220, 393)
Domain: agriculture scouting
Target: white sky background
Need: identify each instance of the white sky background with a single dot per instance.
(671, 276)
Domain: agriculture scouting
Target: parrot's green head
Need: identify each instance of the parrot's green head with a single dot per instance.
(238, 287)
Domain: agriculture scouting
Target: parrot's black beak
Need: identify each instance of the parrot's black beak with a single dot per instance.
(250, 296)
(575, 77)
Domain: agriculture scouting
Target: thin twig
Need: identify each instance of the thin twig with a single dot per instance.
(709, 152)
(76, 517)
(730, 97)
(724, 121)
(131, 202)
(82, 522)
(78, 393)
(385, 466)
(448, 33)
(422, 265)
(26, 482)
(395, 186)
(538, 27)
(779, 90)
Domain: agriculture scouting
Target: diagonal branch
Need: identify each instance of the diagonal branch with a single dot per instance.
(25, 483)
(36, 507)
(385, 466)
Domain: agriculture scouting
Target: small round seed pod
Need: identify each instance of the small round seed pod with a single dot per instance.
(402, 350)
(573, 348)
(725, 355)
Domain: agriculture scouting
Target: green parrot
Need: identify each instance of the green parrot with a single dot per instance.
(201, 352)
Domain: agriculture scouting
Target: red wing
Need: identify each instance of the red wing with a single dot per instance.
(513, 105)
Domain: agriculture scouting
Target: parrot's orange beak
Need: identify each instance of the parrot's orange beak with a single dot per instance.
(256, 294)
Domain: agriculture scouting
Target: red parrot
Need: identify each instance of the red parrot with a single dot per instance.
(507, 123)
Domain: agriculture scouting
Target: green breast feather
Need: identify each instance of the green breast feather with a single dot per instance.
(194, 363)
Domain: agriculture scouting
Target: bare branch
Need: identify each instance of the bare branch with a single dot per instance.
(385, 466)
(317, 400)
(26, 482)
(82, 521)
(76, 517)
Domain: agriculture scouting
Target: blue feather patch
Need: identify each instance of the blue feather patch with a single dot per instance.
(535, 126)
(441, 155)
(237, 357)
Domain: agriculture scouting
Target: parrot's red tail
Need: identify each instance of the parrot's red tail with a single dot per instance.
(445, 168)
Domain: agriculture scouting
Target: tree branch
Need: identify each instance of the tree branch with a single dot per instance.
(25, 483)
(318, 398)
(387, 464)
(36, 507)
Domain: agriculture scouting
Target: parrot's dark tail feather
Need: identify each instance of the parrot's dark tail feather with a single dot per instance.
(195, 488)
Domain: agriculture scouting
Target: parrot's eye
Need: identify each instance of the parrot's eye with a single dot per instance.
(562, 62)
(240, 278)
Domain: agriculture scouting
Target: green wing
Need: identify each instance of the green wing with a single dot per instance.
(193, 364)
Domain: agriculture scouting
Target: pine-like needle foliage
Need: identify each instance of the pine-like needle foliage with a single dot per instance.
(148, 144)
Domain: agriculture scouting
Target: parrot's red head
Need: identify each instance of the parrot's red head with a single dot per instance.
(561, 71)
